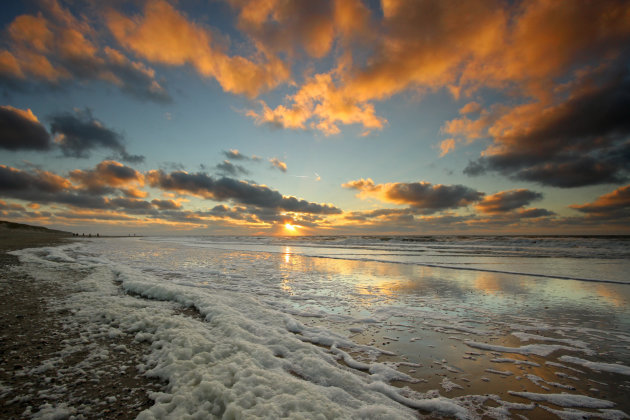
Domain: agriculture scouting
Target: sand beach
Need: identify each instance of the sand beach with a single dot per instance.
(36, 374)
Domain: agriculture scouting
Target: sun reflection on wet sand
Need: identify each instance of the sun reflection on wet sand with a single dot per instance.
(426, 316)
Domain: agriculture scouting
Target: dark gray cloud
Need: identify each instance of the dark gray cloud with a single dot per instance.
(20, 130)
(385, 214)
(609, 167)
(223, 189)
(106, 177)
(80, 133)
(434, 197)
(17, 182)
(535, 213)
(506, 201)
(227, 167)
(166, 204)
(128, 76)
(46, 187)
(424, 197)
(225, 212)
(580, 141)
(236, 155)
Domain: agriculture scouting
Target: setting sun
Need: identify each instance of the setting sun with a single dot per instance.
(289, 227)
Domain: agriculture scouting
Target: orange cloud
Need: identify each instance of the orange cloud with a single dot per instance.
(424, 44)
(470, 107)
(278, 25)
(320, 105)
(447, 146)
(433, 45)
(464, 130)
(166, 36)
(277, 163)
(10, 66)
(26, 114)
(412, 49)
(56, 45)
(547, 38)
(33, 31)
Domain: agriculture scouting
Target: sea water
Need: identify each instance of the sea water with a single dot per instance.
(363, 327)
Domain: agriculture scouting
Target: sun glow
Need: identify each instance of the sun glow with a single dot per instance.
(289, 227)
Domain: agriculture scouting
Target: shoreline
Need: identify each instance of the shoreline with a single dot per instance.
(39, 371)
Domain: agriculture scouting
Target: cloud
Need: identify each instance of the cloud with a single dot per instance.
(291, 27)
(16, 181)
(11, 206)
(278, 164)
(93, 195)
(229, 168)
(447, 146)
(44, 187)
(422, 196)
(21, 130)
(75, 134)
(223, 189)
(235, 155)
(383, 215)
(164, 35)
(470, 108)
(166, 204)
(79, 133)
(269, 23)
(56, 46)
(320, 105)
(611, 206)
(506, 201)
(426, 46)
(534, 213)
(107, 176)
(580, 141)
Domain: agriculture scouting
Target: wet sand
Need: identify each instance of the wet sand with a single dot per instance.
(436, 353)
(37, 372)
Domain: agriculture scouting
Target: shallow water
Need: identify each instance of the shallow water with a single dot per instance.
(391, 312)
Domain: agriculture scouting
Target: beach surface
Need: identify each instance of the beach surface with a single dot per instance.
(169, 327)
(39, 377)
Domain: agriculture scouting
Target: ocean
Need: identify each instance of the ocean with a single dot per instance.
(362, 327)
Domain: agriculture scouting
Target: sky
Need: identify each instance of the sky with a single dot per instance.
(279, 117)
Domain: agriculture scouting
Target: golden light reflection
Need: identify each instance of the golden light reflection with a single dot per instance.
(487, 282)
(611, 295)
(286, 281)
